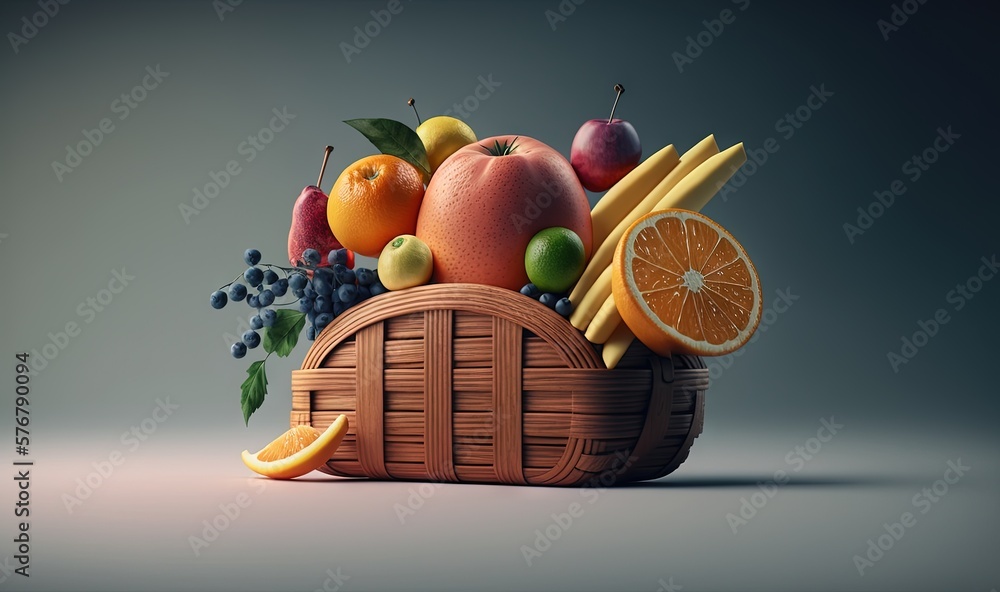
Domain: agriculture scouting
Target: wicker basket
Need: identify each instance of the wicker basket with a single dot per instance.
(470, 383)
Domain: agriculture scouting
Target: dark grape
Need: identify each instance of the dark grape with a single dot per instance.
(347, 293)
(548, 300)
(251, 338)
(219, 299)
(377, 288)
(311, 256)
(237, 292)
(338, 307)
(311, 333)
(297, 281)
(254, 276)
(305, 304)
(321, 286)
(564, 307)
(309, 292)
(364, 293)
(280, 287)
(311, 314)
(343, 274)
(322, 320)
(365, 276)
(256, 322)
(323, 304)
(337, 257)
(268, 316)
(531, 291)
(251, 256)
(266, 298)
(238, 350)
(253, 300)
(270, 277)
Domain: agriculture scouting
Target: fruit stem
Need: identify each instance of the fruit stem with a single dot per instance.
(326, 157)
(413, 104)
(619, 89)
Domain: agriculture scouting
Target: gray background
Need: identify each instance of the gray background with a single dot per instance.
(825, 356)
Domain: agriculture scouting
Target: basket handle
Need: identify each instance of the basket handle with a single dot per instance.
(370, 422)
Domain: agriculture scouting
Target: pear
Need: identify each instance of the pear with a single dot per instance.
(310, 227)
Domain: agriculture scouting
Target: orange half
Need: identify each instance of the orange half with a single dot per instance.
(298, 451)
(683, 284)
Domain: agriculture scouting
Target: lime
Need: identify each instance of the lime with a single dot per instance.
(443, 136)
(405, 262)
(555, 259)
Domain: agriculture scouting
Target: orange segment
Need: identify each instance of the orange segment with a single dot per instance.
(298, 451)
(683, 284)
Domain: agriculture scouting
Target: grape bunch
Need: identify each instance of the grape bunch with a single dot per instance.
(320, 292)
(559, 302)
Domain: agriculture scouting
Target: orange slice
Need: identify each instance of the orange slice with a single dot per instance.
(684, 285)
(298, 451)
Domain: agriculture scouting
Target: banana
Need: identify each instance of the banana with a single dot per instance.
(591, 302)
(601, 259)
(689, 190)
(695, 190)
(617, 345)
(605, 322)
(627, 192)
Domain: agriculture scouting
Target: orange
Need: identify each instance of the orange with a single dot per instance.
(373, 201)
(298, 451)
(684, 285)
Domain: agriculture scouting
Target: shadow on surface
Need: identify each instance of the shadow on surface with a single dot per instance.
(845, 480)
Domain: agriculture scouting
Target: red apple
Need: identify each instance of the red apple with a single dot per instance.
(604, 151)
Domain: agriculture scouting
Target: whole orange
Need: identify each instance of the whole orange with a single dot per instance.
(373, 201)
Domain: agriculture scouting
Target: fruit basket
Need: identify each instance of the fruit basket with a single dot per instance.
(476, 384)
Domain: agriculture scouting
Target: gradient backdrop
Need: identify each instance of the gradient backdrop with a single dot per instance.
(552, 65)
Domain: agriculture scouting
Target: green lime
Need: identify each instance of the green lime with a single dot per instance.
(555, 259)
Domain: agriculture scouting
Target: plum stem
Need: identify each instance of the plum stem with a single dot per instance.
(326, 157)
(413, 104)
(619, 89)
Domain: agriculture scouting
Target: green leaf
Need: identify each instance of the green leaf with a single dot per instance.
(394, 138)
(254, 390)
(281, 337)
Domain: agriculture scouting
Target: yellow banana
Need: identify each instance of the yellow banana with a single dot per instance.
(591, 302)
(616, 345)
(626, 193)
(605, 322)
(594, 286)
(695, 190)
